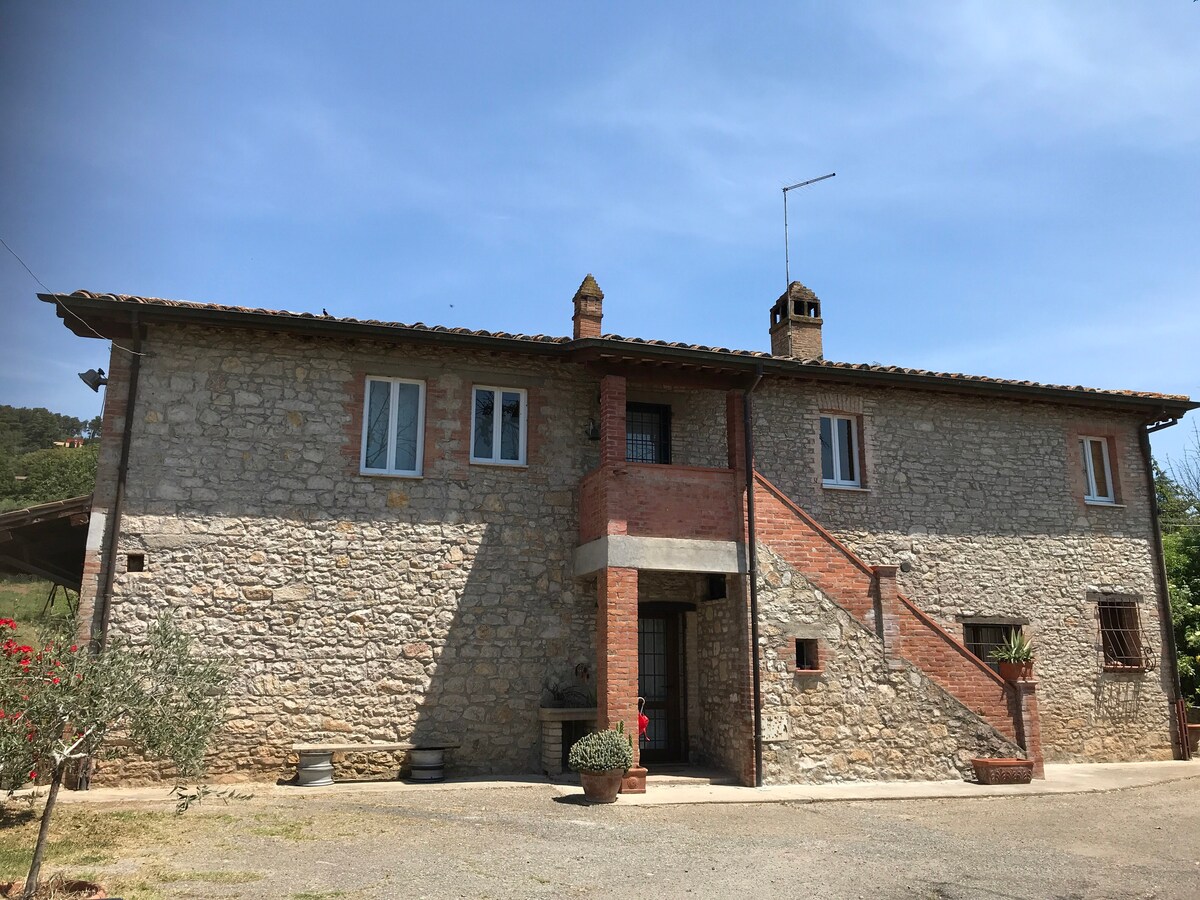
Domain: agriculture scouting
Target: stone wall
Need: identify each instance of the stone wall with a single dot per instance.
(863, 717)
(981, 504)
(725, 738)
(352, 606)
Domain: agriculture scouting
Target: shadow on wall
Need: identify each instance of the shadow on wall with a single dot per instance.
(489, 656)
(1118, 698)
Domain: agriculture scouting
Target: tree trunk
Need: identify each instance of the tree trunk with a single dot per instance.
(39, 849)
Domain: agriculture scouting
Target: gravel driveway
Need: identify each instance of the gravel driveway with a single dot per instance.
(523, 841)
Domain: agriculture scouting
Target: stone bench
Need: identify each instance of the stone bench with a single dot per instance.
(315, 767)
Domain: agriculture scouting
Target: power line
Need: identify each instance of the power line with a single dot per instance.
(63, 306)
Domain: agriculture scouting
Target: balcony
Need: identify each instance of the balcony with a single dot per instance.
(660, 501)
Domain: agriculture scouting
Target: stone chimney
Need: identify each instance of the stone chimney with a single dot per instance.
(796, 324)
(589, 309)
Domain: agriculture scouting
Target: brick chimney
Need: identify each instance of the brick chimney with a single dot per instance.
(796, 324)
(589, 309)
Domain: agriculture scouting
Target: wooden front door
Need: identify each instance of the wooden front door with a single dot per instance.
(662, 683)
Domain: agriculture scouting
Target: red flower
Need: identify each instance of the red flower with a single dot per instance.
(54, 681)
(8, 623)
(33, 776)
(74, 647)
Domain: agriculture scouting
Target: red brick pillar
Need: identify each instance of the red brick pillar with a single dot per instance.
(1029, 728)
(616, 657)
(735, 430)
(887, 613)
(612, 420)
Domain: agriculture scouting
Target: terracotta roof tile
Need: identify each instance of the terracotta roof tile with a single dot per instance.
(616, 338)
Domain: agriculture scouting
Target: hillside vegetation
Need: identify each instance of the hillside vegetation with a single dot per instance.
(32, 469)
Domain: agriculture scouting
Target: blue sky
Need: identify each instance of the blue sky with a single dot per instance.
(1017, 191)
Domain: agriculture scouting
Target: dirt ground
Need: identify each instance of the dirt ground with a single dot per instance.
(523, 841)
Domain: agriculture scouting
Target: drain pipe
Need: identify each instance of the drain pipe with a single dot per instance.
(1182, 750)
(113, 529)
(752, 569)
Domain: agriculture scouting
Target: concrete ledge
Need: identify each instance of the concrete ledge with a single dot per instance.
(660, 554)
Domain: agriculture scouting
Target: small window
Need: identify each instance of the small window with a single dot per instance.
(982, 638)
(839, 451)
(717, 589)
(393, 426)
(808, 655)
(1097, 470)
(648, 433)
(498, 424)
(135, 562)
(1120, 633)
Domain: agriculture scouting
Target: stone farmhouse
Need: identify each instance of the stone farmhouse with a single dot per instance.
(414, 533)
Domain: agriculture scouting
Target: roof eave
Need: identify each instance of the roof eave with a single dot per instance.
(1152, 407)
(111, 317)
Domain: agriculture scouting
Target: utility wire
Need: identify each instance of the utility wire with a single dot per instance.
(63, 306)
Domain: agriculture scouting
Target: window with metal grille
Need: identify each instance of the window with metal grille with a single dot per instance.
(1121, 633)
(647, 433)
(982, 638)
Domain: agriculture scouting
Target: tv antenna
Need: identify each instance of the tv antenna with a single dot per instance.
(787, 263)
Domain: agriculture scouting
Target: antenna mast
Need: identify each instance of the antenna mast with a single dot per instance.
(787, 263)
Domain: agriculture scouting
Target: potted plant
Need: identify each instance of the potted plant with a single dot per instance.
(602, 759)
(1015, 656)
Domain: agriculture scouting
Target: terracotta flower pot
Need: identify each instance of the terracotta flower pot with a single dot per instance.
(1003, 770)
(601, 787)
(1011, 671)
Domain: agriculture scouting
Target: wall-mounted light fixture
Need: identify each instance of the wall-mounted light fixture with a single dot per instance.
(94, 378)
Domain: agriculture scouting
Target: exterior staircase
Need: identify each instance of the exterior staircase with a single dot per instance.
(869, 594)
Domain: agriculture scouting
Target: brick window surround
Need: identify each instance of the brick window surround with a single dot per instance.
(841, 458)
(803, 655)
(1089, 446)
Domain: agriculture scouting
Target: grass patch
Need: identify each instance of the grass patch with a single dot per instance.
(78, 837)
(269, 825)
(23, 598)
(215, 876)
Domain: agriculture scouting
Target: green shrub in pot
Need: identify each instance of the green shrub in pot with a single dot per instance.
(602, 751)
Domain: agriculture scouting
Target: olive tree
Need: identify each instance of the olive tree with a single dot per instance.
(59, 701)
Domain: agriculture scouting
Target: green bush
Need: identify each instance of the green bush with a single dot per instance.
(602, 751)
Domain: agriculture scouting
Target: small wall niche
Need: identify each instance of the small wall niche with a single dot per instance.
(808, 656)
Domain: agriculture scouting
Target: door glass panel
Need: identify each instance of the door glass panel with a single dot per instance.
(647, 433)
(652, 680)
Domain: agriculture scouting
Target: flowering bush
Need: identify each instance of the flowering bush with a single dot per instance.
(59, 700)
